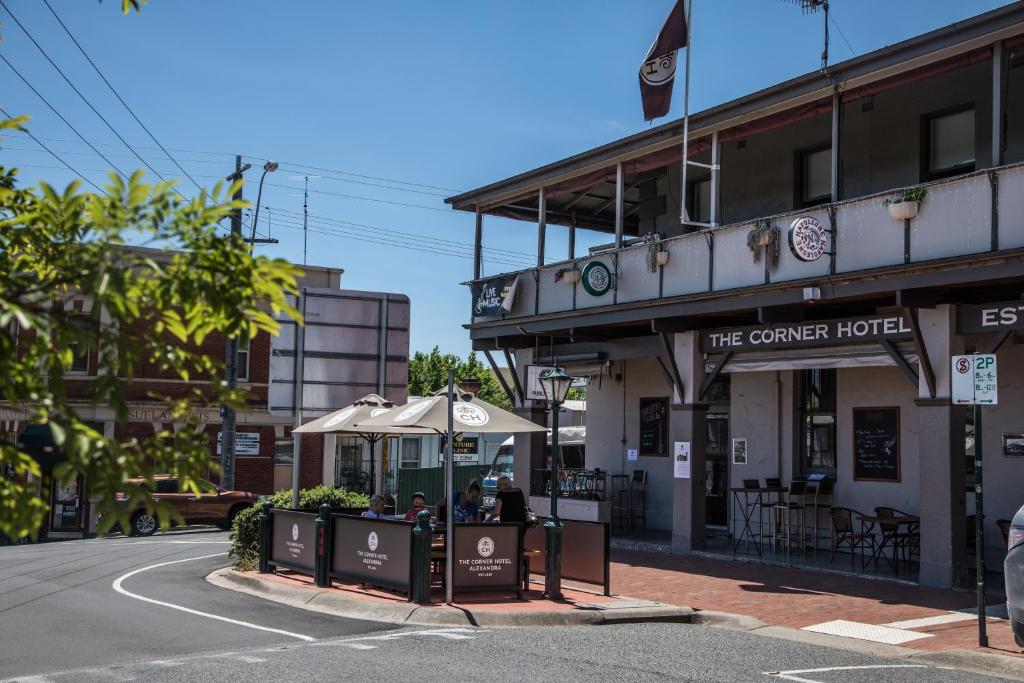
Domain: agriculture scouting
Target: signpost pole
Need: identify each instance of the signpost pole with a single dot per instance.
(979, 529)
(449, 482)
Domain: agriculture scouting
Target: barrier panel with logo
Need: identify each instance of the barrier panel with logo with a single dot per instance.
(376, 552)
(585, 551)
(487, 558)
(293, 540)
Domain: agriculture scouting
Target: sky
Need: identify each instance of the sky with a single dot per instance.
(390, 106)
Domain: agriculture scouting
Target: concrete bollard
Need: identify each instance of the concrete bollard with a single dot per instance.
(419, 591)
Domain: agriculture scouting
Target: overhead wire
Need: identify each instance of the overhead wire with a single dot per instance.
(118, 95)
(55, 155)
(81, 96)
(61, 116)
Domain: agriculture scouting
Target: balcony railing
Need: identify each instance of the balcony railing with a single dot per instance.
(970, 214)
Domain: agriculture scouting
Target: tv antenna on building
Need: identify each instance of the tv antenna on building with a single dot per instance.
(811, 7)
(305, 209)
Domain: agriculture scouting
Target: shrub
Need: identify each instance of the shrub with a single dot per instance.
(245, 532)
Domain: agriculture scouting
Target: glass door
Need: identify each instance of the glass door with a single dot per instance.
(716, 487)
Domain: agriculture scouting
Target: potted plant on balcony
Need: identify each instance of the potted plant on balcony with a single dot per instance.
(905, 206)
(764, 236)
(568, 275)
(657, 256)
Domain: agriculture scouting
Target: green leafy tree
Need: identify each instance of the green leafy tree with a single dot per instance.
(428, 372)
(59, 246)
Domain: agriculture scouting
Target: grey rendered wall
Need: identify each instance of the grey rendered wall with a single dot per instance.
(612, 414)
(882, 146)
(1004, 477)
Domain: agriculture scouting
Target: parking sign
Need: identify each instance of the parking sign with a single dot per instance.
(974, 379)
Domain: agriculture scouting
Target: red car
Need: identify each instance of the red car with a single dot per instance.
(218, 507)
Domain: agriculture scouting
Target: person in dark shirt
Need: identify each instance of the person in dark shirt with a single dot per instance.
(509, 503)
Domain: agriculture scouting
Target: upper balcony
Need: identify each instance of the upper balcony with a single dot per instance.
(943, 113)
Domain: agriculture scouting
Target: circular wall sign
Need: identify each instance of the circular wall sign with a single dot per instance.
(596, 278)
(807, 238)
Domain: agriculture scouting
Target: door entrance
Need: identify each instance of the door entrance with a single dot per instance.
(716, 486)
(67, 505)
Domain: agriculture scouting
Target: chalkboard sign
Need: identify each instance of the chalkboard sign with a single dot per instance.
(654, 426)
(876, 444)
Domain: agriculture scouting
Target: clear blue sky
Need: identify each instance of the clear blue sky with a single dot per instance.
(450, 94)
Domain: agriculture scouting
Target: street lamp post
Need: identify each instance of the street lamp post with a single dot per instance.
(555, 384)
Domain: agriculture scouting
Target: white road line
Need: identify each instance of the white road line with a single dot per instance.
(118, 587)
(791, 675)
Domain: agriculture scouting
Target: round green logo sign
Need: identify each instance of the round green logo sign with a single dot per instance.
(596, 278)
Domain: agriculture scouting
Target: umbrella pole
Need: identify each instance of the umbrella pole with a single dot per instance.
(373, 460)
(449, 482)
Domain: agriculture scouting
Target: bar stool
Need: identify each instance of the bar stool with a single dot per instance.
(794, 502)
(636, 497)
(619, 483)
(820, 490)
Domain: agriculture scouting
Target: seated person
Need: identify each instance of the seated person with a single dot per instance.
(466, 508)
(419, 502)
(376, 510)
(509, 503)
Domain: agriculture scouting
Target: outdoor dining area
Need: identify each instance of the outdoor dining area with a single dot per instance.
(800, 523)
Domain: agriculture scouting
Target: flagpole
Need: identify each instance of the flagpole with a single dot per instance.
(683, 217)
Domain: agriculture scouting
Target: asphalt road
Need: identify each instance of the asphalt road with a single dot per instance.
(62, 619)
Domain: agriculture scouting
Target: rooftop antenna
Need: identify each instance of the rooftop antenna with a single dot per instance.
(305, 209)
(811, 7)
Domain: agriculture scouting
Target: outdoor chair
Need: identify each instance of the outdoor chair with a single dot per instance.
(843, 533)
(633, 499)
(817, 497)
(905, 542)
(793, 502)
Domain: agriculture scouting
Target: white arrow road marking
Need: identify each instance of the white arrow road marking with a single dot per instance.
(118, 587)
(791, 675)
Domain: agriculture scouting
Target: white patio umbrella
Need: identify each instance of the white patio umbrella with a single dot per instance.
(344, 422)
(447, 413)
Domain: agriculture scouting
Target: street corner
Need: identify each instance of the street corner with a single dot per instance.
(578, 607)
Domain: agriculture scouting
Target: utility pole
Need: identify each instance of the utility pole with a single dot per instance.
(305, 218)
(227, 431)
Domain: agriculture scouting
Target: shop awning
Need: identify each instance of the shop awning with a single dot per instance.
(849, 356)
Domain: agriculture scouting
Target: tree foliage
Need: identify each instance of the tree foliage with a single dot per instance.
(152, 308)
(428, 372)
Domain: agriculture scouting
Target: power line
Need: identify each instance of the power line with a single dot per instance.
(55, 156)
(115, 156)
(363, 182)
(61, 116)
(843, 36)
(117, 95)
(325, 219)
(83, 98)
(370, 177)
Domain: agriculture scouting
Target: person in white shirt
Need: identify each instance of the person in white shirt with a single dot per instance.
(376, 510)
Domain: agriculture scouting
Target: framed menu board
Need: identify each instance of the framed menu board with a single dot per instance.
(654, 426)
(876, 444)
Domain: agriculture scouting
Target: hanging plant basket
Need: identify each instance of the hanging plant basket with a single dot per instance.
(567, 275)
(764, 237)
(906, 206)
(661, 258)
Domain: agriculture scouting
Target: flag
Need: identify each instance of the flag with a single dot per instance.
(659, 68)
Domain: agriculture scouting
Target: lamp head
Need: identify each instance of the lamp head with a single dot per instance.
(270, 166)
(555, 384)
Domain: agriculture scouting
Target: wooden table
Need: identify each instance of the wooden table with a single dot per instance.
(890, 528)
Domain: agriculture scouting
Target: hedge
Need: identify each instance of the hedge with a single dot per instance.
(245, 532)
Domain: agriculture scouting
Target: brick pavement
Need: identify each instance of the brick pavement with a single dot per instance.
(797, 597)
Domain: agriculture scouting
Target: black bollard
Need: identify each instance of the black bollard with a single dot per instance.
(321, 565)
(264, 542)
(419, 591)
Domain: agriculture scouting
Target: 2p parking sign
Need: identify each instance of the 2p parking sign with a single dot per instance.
(975, 379)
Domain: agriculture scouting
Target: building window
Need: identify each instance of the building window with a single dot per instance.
(351, 470)
(816, 414)
(243, 359)
(284, 451)
(85, 330)
(948, 144)
(410, 453)
(700, 201)
(814, 171)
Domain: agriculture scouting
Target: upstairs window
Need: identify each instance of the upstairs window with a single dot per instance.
(700, 201)
(243, 360)
(814, 168)
(948, 144)
(84, 326)
(410, 452)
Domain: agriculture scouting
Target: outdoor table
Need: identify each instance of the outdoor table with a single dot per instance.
(747, 512)
(890, 528)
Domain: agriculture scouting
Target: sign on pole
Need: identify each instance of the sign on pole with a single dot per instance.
(975, 379)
